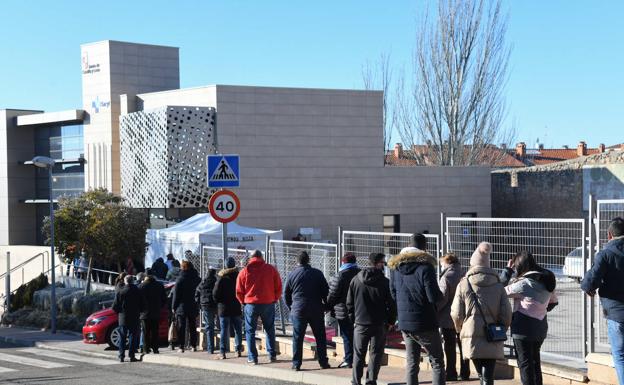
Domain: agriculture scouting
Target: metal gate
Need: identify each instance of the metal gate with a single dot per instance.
(212, 256)
(283, 255)
(605, 211)
(556, 244)
(362, 243)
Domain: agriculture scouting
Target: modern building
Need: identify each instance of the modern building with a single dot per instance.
(310, 158)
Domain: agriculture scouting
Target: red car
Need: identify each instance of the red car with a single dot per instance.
(101, 326)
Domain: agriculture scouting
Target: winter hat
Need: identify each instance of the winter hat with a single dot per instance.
(230, 263)
(481, 256)
(410, 249)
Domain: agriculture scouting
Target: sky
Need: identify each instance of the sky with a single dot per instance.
(566, 76)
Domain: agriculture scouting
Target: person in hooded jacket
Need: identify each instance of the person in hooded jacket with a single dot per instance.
(606, 276)
(159, 269)
(203, 296)
(533, 293)
(184, 305)
(337, 301)
(155, 297)
(372, 310)
(415, 288)
(128, 304)
(450, 276)
(481, 284)
(305, 294)
(229, 308)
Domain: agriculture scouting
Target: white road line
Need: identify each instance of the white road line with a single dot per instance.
(5, 370)
(70, 356)
(31, 361)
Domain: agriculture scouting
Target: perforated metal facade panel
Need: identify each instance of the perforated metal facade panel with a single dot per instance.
(163, 156)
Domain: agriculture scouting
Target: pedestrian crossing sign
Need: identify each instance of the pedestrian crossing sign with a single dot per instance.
(223, 171)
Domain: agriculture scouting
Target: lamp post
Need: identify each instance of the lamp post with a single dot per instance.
(45, 162)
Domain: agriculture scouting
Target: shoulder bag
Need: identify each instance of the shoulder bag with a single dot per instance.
(494, 332)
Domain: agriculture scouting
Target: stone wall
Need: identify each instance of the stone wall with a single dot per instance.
(550, 191)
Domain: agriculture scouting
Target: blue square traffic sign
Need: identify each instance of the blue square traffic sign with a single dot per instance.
(223, 171)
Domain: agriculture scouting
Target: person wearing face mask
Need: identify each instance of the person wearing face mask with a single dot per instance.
(450, 276)
(533, 294)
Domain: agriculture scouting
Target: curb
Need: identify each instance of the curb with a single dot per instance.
(262, 371)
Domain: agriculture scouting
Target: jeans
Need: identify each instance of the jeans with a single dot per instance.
(150, 335)
(362, 336)
(431, 342)
(346, 332)
(130, 333)
(449, 337)
(208, 319)
(485, 370)
(182, 320)
(237, 323)
(266, 312)
(616, 340)
(318, 329)
(529, 361)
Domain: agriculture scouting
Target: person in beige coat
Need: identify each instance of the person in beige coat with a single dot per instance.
(469, 322)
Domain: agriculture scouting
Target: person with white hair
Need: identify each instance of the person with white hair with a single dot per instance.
(128, 304)
(479, 310)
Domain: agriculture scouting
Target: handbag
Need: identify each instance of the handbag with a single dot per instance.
(494, 332)
(173, 332)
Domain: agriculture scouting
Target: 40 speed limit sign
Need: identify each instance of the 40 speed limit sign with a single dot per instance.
(224, 206)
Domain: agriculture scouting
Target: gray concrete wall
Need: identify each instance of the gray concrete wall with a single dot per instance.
(314, 158)
(17, 181)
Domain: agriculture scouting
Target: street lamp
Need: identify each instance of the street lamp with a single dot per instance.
(45, 162)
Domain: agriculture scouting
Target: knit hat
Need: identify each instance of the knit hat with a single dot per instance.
(230, 263)
(481, 256)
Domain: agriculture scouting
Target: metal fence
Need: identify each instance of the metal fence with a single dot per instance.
(283, 255)
(606, 210)
(554, 244)
(363, 243)
(212, 257)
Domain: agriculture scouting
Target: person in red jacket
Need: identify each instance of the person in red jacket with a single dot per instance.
(258, 288)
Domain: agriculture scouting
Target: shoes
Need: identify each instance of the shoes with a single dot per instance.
(345, 364)
(194, 349)
(156, 352)
(121, 360)
(296, 368)
(180, 350)
(325, 365)
(238, 353)
(133, 359)
(452, 378)
(222, 356)
(273, 359)
(252, 362)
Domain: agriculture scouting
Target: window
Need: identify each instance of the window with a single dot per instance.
(392, 223)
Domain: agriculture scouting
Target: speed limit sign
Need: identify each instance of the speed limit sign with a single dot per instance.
(224, 206)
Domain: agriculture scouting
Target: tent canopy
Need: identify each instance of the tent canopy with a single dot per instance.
(202, 229)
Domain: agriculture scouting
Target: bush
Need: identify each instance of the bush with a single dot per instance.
(41, 298)
(30, 317)
(23, 296)
(85, 305)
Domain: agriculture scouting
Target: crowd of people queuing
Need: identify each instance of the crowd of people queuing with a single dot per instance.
(468, 310)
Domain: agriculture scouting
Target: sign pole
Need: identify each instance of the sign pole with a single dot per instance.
(225, 243)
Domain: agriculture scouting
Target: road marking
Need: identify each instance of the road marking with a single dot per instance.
(31, 361)
(70, 356)
(5, 370)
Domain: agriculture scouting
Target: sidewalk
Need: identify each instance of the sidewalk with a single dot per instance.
(310, 373)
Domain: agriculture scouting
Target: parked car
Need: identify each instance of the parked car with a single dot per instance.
(101, 326)
(573, 264)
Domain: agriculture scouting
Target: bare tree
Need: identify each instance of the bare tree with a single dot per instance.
(378, 76)
(456, 106)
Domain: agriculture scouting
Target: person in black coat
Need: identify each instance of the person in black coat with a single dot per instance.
(373, 311)
(337, 302)
(159, 269)
(203, 296)
(229, 308)
(305, 293)
(184, 305)
(415, 288)
(155, 297)
(128, 304)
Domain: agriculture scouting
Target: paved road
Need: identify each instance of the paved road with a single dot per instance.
(19, 365)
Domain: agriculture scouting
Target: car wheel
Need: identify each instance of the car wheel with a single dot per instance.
(113, 337)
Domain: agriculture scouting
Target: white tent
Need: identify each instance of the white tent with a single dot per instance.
(202, 230)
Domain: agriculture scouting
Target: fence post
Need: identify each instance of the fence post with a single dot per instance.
(590, 341)
(7, 284)
(88, 283)
(442, 234)
(584, 300)
(339, 248)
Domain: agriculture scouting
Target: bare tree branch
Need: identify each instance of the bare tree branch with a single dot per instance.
(378, 76)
